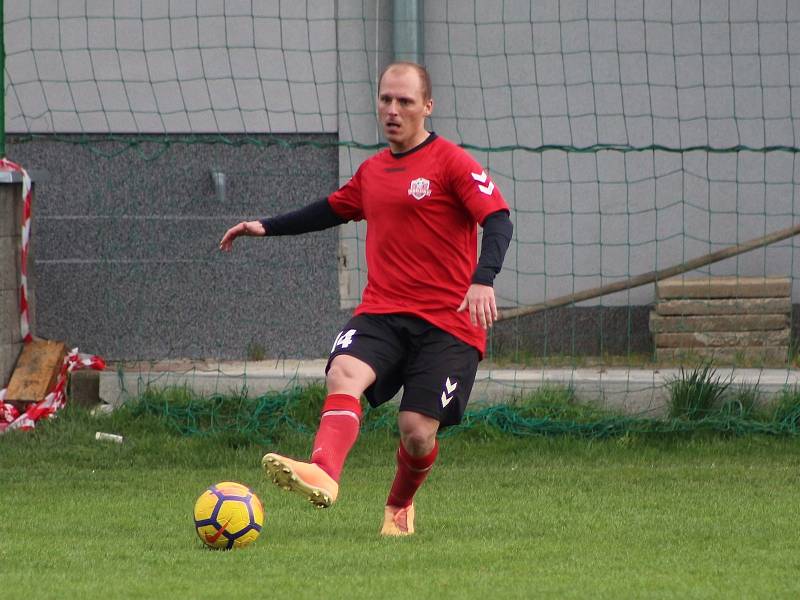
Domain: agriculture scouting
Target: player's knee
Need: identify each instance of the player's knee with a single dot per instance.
(418, 442)
(417, 432)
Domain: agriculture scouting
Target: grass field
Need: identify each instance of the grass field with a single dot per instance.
(499, 517)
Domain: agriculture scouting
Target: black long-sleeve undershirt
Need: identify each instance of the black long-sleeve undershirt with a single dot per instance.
(497, 230)
(315, 217)
(319, 215)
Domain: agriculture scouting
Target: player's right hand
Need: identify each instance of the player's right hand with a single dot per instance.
(480, 302)
(254, 228)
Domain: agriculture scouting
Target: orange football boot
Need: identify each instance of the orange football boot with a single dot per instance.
(398, 521)
(305, 479)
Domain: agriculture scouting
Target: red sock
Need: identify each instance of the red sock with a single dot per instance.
(338, 430)
(411, 472)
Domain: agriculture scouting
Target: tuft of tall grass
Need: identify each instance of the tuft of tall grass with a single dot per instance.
(695, 394)
(786, 406)
(560, 403)
(744, 401)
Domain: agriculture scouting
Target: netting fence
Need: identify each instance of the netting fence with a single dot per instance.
(628, 137)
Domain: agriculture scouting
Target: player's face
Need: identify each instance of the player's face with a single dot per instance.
(402, 108)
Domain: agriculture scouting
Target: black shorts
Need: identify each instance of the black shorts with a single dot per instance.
(435, 369)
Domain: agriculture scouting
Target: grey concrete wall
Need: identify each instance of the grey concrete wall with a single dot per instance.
(127, 248)
(506, 73)
(527, 75)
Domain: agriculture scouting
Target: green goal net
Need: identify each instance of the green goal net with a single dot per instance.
(629, 137)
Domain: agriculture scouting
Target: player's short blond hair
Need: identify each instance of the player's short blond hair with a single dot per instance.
(424, 76)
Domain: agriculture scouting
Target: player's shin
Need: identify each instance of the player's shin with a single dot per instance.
(338, 430)
(411, 473)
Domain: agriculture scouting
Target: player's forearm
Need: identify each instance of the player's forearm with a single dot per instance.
(497, 230)
(314, 217)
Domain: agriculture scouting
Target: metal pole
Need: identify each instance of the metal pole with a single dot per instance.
(407, 30)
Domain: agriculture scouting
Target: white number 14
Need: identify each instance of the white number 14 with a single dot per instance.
(344, 339)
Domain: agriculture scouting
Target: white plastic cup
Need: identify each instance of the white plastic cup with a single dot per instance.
(109, 437)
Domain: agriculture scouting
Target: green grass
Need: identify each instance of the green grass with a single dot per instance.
(499, 517)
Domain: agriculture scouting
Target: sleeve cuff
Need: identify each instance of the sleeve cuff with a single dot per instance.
(483, 276)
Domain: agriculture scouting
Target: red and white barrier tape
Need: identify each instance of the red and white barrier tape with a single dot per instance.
(56, 399)
(24, 322)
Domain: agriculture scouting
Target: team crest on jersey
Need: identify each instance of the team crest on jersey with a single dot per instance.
(420, 188)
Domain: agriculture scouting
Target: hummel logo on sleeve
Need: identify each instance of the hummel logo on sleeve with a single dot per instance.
(481, 178)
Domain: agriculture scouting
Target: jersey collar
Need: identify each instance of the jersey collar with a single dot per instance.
(419, 146)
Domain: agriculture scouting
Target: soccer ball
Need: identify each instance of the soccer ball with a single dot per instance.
(228, 515)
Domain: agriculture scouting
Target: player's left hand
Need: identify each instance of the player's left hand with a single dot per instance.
(480, 301)
(243, 228)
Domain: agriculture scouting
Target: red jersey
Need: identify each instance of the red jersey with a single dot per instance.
(422, 208)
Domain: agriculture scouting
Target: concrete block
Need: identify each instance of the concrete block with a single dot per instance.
(9, 317)
(662, 324)
(731, 306)
(751, 355)
(84, 387)
(10, 210)
(9, 263)
(730, 339)
(8, 359)
(724, 287)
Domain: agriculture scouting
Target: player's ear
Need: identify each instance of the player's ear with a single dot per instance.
(429, 107)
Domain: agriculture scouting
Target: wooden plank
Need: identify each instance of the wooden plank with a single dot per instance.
(751, 356)
(662, 324)
(724, 287)
(718, 339)
(36, 371)
(729, 306)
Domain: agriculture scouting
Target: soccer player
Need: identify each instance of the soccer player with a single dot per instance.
(428, 300)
